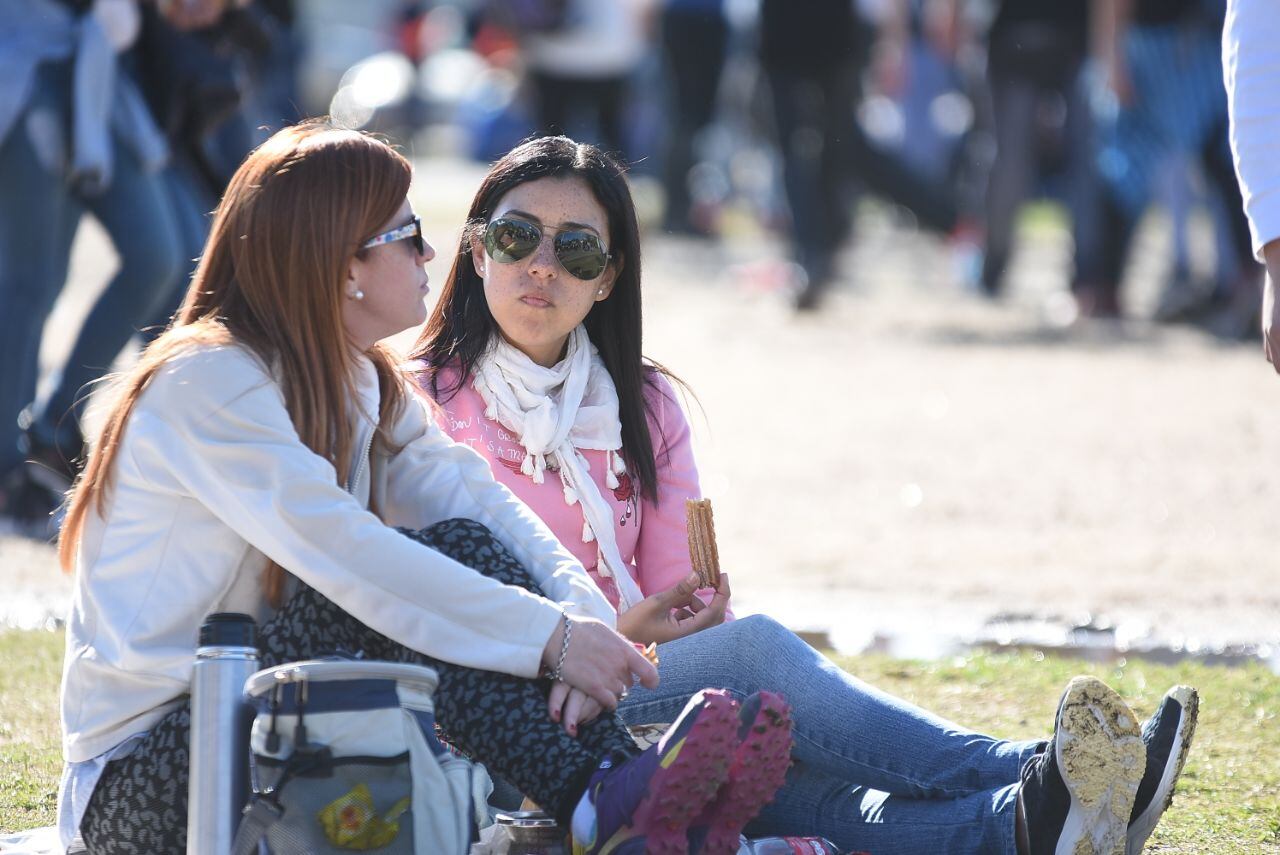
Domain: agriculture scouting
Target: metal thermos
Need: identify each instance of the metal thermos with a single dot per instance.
(220, 721)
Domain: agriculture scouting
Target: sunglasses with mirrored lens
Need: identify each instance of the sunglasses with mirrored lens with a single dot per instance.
(580, 253)
(409, 231)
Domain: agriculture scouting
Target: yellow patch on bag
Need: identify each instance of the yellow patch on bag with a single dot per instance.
(351, 822)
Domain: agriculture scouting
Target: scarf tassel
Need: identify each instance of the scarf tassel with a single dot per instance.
(614, 466)
(534, 465)
(587, 534)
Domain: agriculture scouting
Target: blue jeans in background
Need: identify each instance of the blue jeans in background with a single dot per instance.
(871, 772)
(123, 310)
(39, 213)
(38, 219)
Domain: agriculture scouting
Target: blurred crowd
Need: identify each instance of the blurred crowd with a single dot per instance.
(136, 113)
(956, 113)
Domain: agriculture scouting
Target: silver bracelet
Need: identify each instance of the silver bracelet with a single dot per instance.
(555, 673)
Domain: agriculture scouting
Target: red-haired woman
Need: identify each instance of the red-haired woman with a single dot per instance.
(259, 459)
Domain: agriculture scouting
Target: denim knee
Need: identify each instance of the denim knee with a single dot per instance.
(748, 653)
(762, 633)
(151, 267)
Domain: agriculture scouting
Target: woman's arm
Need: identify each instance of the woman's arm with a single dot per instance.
(218, 424)
(662, 549)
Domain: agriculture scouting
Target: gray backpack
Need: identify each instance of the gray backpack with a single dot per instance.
(345, 758)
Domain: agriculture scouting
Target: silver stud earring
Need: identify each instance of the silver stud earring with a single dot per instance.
(358, 295)
(600, 293)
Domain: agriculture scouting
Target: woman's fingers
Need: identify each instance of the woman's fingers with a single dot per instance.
(642, 668)
(573, 712)
(555, 701)
(601, 663)
(722, 590)
(590, 710)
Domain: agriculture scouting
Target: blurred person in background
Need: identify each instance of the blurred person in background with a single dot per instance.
(923, 63)
(695, 39)
(1164, 68)
(814, 63)
(1180, 190)
(193, 87)
(272, 50)
(579, 58)
(1249, 39)
(1036, 51)
(75, 135)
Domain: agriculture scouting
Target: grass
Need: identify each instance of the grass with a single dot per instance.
(1228, 800)
(30, 756)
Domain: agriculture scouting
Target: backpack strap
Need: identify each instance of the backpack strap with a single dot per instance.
(259, 816)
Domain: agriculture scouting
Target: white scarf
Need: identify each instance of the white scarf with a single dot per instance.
(555, 412)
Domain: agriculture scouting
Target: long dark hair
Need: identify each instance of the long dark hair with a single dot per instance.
(461, 327)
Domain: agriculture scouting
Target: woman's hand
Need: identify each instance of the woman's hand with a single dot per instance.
(599, 662)
(571, 707)
(674, 613)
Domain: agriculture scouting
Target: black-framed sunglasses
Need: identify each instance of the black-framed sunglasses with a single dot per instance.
(581, 253)
(411, 230)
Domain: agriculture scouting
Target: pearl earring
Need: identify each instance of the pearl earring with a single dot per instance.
(358, 295)
(600, 293)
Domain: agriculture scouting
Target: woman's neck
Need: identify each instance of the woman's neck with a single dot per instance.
(547, 356)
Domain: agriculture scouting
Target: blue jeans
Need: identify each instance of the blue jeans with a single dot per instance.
(123, 310)
(871, 772)
(39, 213)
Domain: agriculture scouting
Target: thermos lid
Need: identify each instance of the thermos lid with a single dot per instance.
(526, 819)
(228, 629)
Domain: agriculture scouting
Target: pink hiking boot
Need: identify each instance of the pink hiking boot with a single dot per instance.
(759, 766)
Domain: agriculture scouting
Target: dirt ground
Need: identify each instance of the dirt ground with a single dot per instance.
(912, 461)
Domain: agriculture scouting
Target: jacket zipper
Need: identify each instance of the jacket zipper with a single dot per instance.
(360, 464)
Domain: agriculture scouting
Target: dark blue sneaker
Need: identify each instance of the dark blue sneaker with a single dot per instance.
(1077, 795)
(645, 804)
(1167, 735)
(759, 767)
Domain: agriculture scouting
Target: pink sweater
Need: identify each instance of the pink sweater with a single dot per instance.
(651, 536)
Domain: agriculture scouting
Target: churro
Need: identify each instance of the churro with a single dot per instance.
(703, 553)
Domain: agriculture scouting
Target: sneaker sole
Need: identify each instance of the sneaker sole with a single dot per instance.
(1101, 757)
(1189, 702)
(759, 768)
(681, 789)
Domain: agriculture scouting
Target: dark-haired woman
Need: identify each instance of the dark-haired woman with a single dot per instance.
(258, 460)
(534, 353)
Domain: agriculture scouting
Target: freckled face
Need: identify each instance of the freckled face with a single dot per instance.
(393, 283)
(535, 302)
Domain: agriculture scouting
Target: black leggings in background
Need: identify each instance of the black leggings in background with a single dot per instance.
(560, 100)
(140, 803)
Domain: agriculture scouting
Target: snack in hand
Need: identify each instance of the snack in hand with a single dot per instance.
(650, 653)
(702, 541)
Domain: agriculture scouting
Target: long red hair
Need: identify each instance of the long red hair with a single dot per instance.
(271, 278)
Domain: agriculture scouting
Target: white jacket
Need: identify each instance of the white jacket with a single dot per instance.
(211, 478)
